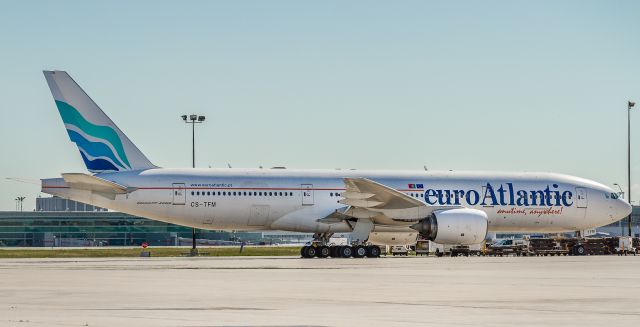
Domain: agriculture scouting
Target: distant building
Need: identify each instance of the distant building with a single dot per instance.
(59, 204)
(104, 228)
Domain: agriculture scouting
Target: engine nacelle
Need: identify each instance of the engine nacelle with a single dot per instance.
(454, 226)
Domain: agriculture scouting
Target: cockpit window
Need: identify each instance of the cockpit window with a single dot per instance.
(614, 196)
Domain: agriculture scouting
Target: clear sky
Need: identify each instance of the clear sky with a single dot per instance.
(463, 85)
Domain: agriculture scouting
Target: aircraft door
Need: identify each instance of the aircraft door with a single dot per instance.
(581, 197)
(307, 194)
(179, 194)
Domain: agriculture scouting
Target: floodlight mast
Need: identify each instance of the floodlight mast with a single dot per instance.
(630, 105)
(193, 119)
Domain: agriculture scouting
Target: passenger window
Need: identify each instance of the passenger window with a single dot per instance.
(198, 193)
(269, 193)
(191, 192)
(208, 193)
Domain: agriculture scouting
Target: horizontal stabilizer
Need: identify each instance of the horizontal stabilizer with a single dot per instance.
(92, 183)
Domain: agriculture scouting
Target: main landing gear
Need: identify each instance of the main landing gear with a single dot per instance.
(340, 251)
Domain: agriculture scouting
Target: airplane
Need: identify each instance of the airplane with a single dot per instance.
(376, 207)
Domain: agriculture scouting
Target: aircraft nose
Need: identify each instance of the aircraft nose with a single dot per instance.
(624, 208)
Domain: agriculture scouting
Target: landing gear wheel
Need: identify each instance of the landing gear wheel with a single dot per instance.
(346, 251)
(580, 250)
(334, 251)
(373, 251)
(323, 251)
(303, 251)
(312, 251)
(360, 251)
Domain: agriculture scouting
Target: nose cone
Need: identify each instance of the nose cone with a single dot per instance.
(623, 208)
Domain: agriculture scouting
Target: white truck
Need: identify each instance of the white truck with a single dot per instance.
(625, 246)
(452, 250)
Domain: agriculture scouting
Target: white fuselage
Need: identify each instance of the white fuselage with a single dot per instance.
(294, 200)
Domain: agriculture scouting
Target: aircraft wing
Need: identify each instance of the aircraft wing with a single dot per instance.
(383, 204)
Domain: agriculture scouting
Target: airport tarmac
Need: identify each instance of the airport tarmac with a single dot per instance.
(286, 291)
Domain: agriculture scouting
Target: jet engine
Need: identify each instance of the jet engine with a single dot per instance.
(454, 226)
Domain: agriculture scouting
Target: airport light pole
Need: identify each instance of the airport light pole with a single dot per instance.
(193, 120)
(620, 188)
(630, 105)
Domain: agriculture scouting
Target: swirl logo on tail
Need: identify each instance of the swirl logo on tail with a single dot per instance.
(100, 146)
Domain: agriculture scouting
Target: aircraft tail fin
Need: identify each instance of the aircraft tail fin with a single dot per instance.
(102, 145)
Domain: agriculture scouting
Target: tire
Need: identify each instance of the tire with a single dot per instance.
(312, 251)
(580, 250)
(373, 251)
(346, 251)
(360, 251)
(303, 251)
(324, 251)
(334, 251)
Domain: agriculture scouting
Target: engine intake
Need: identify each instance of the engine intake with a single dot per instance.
(454, 226)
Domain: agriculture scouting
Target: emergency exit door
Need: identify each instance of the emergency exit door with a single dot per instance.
(307, 194)
(581, 197)
(179, 194)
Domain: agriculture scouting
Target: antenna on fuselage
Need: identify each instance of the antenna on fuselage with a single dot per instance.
(229, 165)
(425, 168)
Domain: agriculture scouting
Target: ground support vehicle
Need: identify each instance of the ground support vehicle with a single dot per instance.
(625, 246)
(452, 250)
(517, 247)
(401, 250)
